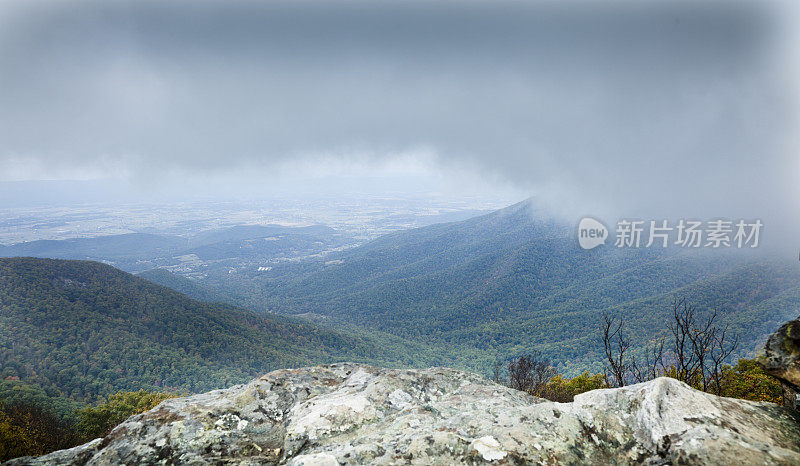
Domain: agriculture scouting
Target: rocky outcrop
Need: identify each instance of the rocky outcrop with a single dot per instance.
(357, 414)
(781, 357)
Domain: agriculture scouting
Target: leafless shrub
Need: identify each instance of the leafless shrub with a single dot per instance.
(530, 373)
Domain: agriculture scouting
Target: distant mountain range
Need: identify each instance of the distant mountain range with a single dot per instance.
(515, 280)
(136, 252)
(83, 329)
(462, 293)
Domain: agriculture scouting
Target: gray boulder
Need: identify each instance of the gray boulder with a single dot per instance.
(781, 359)
(358, 414)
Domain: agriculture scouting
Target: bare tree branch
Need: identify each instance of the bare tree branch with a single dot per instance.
(615, 345)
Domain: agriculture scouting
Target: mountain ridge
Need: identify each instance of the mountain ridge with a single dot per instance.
(514, 281)
(87, 330)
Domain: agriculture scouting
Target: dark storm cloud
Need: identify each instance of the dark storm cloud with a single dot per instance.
(659, 106)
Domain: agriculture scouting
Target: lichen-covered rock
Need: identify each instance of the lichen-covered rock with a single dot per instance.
(781, 355)
(358, 414)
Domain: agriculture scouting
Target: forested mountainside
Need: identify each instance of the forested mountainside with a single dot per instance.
(182, 285)
(514, 280)
(83, 330)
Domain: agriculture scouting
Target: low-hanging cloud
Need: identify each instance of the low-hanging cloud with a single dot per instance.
(680, 109)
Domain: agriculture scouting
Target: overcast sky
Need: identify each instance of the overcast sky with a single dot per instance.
(657, 109)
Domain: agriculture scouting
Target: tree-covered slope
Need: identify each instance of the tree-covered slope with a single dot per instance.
(514, 280)
(182, 285)
(86, 329)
